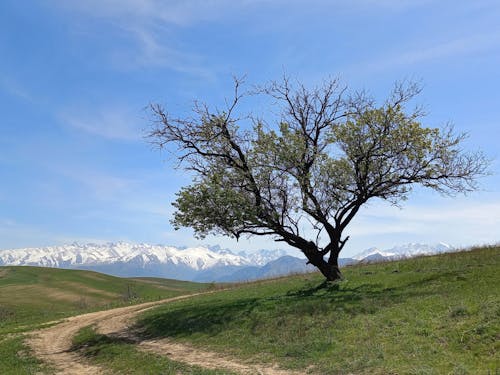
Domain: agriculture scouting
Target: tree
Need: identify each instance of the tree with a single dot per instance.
(303, 180)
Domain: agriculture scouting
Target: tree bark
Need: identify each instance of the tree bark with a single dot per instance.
(329, 269)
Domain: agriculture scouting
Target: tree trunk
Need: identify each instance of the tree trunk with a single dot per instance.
(329, 269)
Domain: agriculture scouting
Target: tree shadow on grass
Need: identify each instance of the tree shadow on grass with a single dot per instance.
(208, 318)
(211, 318)
(92, 345)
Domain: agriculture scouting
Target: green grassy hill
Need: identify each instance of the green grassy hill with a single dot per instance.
(33, 295)
(429, 315)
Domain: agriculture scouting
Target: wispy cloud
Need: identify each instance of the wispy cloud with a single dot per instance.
(150, 12)
(154, 52)
(12, 87)
(15, 235)
(152, 25)
(463, 221)
(103, 186)
(462, 46)
(435, 51)
(137, 195)
(149, 26)
(112, 123)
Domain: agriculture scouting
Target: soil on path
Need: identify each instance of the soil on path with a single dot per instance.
(53, 344)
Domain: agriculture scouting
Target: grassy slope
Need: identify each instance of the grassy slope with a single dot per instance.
(430, 315)
(31, 296)
(121, 357)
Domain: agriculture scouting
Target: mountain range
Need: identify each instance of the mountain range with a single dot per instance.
(194, 264)
(403, 251)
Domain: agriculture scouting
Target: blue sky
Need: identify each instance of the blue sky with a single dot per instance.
(75, 78)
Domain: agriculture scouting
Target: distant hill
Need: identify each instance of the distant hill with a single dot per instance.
(285, 265)
(34, 294)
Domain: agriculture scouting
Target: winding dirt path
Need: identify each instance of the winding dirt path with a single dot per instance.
(53, 344)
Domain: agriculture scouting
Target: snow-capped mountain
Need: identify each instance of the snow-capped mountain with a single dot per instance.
(197, 258)
(195, 263)
(373, 251)
(409, 250)
(282, 266)
(264, 256)
(125, 259)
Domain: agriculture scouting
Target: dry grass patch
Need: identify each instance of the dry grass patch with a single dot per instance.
(31, 293)
(3, 272)
(85, 289)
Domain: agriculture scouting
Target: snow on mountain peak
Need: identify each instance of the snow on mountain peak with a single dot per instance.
(371, 252)
(405, 251)
(199, 263)
(75, 255)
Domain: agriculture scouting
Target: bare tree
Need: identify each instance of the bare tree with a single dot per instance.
(303, 180)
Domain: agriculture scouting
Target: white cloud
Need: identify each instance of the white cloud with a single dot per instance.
(111, 123)
(13, 87)
(21, 235)
(153, 53)
(148, 25)
(461, 222)
(152, 25)
(151, 12)
(101, 185)
(463, 46)
(130, 198)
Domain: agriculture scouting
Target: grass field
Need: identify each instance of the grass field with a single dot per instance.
(123, 358)
(429, 315)
(32, 296)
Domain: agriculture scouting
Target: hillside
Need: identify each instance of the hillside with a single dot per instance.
(32, 295)
(431, 315)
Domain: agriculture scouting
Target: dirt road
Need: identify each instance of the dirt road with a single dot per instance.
(52, 344)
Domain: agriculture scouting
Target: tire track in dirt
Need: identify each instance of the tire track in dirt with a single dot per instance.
(53, 344)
